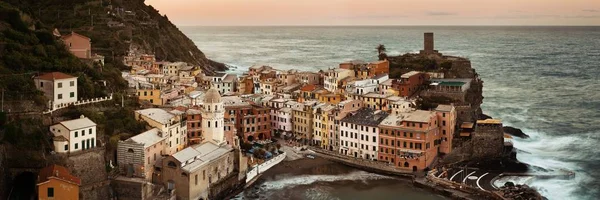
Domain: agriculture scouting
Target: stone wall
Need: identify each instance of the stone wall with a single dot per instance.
(133, 188)
(488, 141)
(226, 186)
(90, 167)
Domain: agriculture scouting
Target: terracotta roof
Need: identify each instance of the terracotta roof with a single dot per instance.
(58, 172)
(309, 87)
(75, 34)
(54, 76)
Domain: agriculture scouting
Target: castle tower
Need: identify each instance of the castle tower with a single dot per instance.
(213, 114)
(428, 47)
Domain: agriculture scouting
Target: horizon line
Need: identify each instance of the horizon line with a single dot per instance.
(274, 25)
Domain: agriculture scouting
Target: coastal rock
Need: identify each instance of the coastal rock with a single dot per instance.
(484, 116)
(511, 191)
(515, 132)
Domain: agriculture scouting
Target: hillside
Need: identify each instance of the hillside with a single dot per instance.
(115, 25)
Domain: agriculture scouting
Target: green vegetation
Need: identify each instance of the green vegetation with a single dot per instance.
(28, 49)
(381, 52)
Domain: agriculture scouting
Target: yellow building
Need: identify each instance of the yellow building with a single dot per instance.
(375, 100)
(323, 125)
(330, 98)
(151, 95)
(302, 115)
(55, 182)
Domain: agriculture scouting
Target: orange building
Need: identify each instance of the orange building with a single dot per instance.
(409, 83)
(378, 67)
(447, 119)
(194, 126)
(55, 182)
(78, 45)
(409, 140)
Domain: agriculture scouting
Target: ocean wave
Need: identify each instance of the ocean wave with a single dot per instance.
(310, 179)
(557, 153)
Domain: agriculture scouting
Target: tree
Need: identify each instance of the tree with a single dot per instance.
(381, 52)
(381, 49)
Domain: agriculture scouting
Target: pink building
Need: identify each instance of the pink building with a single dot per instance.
(78, 45)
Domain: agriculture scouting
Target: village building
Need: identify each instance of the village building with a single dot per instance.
(74, 135)
(359, 133)
(447, 118)
(78, 45)
(281, 119)
(410, 83)
(56, 182)
(334, 76)
(302, 114)
(58, 87)
(409, 141)
(152, 95)
(343, 109)
(191, 172)
(194, 125)
(137, 155)
(308, 78)
(171, 123)
(322, 114)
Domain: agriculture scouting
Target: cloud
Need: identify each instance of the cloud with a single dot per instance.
(440, 13)
(590, 10)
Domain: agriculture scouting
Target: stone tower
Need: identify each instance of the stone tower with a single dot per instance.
(428, 47)
(213, 114)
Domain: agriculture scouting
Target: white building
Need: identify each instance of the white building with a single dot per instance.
(334, 76)
(281, 119)
(74, 135)
(362, 87)
(359, 133)
(213, 114)
(171, 124)
(57, 87)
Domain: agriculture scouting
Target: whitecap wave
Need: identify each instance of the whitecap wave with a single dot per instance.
(310, 179)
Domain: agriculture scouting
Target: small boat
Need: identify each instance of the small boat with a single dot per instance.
(310, 156)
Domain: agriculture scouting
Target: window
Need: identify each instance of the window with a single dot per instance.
(76, 133)
(59, 85)
(72, 83)
(76, 146)
(72, 94)
(196, 179)
(66, 147)
(59, 96)
(82, 132)
(50, 192)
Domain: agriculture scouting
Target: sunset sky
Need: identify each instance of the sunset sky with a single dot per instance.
(379, 12)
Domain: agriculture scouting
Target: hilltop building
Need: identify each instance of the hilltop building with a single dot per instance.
(60, 88)
(74, 135)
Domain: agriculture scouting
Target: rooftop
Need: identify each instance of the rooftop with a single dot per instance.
(409, 74)
(147, 138)
(54, 76)
(234, 101)
(157, 114)
(80, 123)
(366, 117)
(229, 78)
(193, 157)
(421, 116)
(444, 108)
(489, 121)
(58, 172)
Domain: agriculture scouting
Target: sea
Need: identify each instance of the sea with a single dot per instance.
(543, 80)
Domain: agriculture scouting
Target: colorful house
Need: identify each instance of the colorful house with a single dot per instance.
(55, 182)
(78, 45)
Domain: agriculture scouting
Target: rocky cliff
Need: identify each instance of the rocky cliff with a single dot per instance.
(115, 26)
